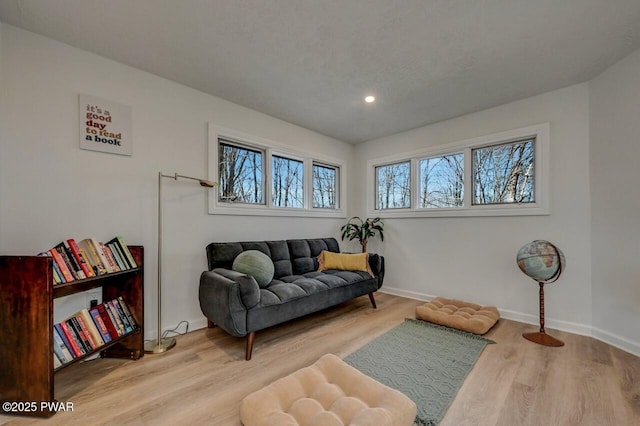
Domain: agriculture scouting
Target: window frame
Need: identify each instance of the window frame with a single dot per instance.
(289, 157)
(377, 186)
(338, 171)
(270, 149)
(262, 171)
(419, 160)
(542, 176)
(473, 170)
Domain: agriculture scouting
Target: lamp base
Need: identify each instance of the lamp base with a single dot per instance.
(158, 347)
(543, 339)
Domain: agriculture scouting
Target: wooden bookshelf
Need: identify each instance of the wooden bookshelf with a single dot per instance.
(27, 292)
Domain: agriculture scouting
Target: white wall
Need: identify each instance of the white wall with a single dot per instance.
(51, 190)
(474, 258)
(615, 202)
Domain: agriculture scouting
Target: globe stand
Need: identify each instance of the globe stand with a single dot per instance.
(541, 337)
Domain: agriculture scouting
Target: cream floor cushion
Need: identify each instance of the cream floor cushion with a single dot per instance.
(459, 314)
(327, 393)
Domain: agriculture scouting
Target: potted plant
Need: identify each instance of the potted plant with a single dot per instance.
(361, 230)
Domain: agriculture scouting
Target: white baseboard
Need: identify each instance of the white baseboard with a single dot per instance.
(568, 326)
(198, 324)
(617, 341)
(406, 293)
(556, 324)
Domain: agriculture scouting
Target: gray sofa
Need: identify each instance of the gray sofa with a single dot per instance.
(236, 303)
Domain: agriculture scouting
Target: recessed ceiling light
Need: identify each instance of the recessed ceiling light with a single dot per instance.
(369, 99)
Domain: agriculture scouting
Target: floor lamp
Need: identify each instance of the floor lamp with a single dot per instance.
(161, 344)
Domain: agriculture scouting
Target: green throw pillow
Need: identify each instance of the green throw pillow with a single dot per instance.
(257, 264)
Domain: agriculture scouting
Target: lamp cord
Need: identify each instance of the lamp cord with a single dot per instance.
(175, 331)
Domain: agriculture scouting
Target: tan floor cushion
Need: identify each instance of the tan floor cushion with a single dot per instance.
(457, 314)
(327, 393)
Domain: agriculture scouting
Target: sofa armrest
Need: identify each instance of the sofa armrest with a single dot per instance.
(249, 288)
(225, 296)
(376, 262)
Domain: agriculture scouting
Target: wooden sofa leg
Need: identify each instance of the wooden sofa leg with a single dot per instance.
(373, 301)
(210, 324)
(250, 338)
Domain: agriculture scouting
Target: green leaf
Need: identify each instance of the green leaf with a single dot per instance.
(356, 228)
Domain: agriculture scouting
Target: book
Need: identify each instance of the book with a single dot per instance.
(64, 338)
(74, 262)
(92, 270)
(108, 321)
(127, 252)
(100, 325)
(115, 317)
(85, 345)
(109, 256)
(118, 256)
(62, 266)
(59, 339)
(103, 258)
(58, 344)
(127, 312)
(56, 272)
(56, 275)
(86, 334)
(88, 257)
(78, 350)
(113, 256)
(125, 249)
(128, 327)
(80, 258)
(66, 263)
(60, 249)
(91, 327)
(93, 256)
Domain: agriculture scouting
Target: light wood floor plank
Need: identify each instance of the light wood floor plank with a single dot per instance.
(203, 380)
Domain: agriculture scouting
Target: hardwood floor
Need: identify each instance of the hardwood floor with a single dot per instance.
(203, 379)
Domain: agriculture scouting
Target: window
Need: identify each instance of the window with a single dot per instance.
(393, 187)
(241, 174)
(325, 186)
(497, 175)
(442, 181)
(286, 178)
(258, 177)
(504, 173)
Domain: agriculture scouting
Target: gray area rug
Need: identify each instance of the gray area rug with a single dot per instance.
(425, 361)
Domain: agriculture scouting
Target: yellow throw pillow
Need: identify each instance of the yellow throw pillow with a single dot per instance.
(344, 262)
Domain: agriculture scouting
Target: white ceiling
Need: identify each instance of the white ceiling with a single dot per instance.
(311, 62)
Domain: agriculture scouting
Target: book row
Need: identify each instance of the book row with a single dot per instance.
(90, 329)
(88, 258)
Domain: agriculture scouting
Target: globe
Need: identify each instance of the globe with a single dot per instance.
(541, 260)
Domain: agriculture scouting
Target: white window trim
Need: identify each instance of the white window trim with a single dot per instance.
(542, 172)
(271, 148)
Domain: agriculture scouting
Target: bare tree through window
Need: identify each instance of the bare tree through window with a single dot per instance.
(287, 177)
(504, 173)
(442, 181)
(241, 174)
(393, 186)
(325, 184)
